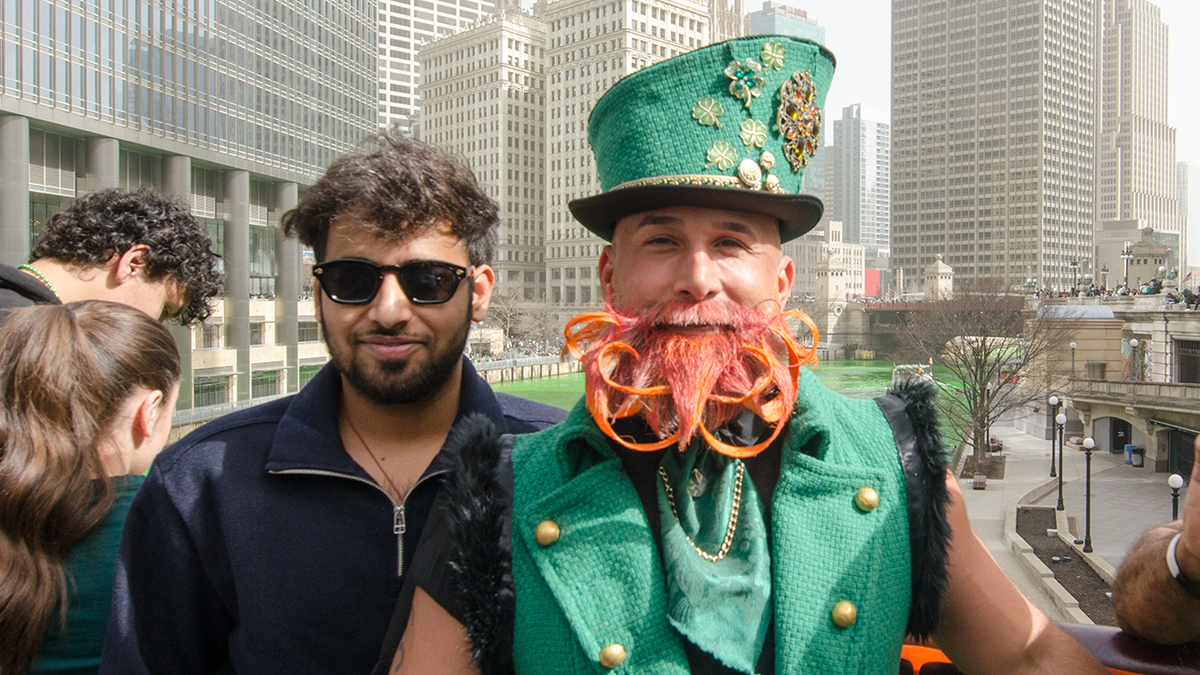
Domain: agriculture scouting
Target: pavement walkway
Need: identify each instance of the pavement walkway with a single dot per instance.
(1126, 501)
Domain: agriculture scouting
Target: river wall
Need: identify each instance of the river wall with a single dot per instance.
(515, 370)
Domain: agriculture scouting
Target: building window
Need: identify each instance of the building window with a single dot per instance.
(262, 251)
(307, 373)
(212, 336)
(1187, 360)
(257, 331)
(264, 383)
(309, 331)
(210, 391)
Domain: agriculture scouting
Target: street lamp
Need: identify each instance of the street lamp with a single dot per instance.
(1176, 482)
(1061, 420)
(1073, 346)
(1053, 414)
(1136, 362)
(1088, 445)
(1127, 255)
(1074, 265)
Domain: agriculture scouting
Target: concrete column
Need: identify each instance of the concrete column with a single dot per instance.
(103, 163)
(287, 287)
(177, 177)
(183, 341)
(14, 190)
(177, 182)
(237, 275)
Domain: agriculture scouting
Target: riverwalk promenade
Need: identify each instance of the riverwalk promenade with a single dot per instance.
(1126, 501)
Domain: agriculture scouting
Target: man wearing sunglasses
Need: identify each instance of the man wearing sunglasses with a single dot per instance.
(278, 539)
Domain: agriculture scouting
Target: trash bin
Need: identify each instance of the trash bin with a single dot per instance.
(1129, 453)
(1138, 455)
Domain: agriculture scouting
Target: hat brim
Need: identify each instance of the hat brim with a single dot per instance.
(796, 213)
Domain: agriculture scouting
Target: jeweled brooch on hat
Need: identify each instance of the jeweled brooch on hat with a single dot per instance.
(799, 119)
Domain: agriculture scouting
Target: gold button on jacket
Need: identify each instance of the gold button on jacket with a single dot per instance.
(612, 656)
(866, 499)
(547, 533)
(844, 614)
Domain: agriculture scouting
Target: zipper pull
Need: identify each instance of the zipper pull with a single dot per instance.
(398, 520)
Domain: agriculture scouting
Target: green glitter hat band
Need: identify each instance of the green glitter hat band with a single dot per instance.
(731, 125)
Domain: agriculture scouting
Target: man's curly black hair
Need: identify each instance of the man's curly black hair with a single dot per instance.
(399, 189)
(106, 223)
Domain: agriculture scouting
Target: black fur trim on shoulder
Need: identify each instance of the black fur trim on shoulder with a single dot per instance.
(924, 460)
(479, 524)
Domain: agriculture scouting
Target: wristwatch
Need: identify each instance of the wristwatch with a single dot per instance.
(1189, 584)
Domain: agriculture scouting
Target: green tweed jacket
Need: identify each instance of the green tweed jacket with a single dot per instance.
(601, 582)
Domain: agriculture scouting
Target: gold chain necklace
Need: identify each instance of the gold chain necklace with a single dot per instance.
(40, 277)
(733, 514)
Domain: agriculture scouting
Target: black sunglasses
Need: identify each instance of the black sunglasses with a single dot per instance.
(350, 281)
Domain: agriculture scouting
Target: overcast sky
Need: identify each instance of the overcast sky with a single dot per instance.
(859, 34)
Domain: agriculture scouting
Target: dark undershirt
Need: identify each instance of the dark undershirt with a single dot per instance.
(642, 469)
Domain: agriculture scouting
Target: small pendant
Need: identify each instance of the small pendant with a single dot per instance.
(697, 484)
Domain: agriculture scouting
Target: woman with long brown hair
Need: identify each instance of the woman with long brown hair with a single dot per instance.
(86, 394)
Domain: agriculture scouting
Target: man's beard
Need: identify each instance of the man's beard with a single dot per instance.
(690, 368)
(400, 381)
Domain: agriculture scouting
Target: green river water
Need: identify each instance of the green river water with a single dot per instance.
(857, 379)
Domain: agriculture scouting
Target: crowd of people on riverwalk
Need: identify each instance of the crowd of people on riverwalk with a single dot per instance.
(713, 508)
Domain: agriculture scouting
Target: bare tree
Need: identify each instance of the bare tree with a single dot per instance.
(540, 324)
(506, 312)
(1000, 349)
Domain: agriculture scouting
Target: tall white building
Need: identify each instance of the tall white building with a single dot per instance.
(860, 177)
(405, 25)
(1187, 176)
(993, 138)
(485, 100)
(1136, 178)
(590, 45)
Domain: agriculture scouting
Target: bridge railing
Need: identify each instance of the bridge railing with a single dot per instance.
(1183, 394)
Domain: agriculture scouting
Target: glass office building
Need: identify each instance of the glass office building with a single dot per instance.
(231, 105)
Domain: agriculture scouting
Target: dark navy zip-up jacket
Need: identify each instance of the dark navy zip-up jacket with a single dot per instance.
(257, 545)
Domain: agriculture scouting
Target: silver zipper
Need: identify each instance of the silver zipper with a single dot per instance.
(399, 524)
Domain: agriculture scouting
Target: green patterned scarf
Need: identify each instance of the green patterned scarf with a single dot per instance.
(723, 607)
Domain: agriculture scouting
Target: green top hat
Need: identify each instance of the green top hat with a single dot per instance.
(729, 126)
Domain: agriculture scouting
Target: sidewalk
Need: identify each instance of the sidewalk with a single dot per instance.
(1126, 501)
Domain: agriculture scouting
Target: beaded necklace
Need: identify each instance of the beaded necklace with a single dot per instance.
(40, 277)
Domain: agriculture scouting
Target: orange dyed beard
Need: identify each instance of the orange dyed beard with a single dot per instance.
(689, 368)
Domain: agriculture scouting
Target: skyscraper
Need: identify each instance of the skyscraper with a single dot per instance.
(403, 26)
(860, 159)
(1187, 176)
(777, 17)
(230, 106)
(590, 45)
(993, 138)
(485, 100)
(1136, 147)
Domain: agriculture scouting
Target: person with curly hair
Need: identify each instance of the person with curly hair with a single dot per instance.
(140, 248)
(86, 393)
